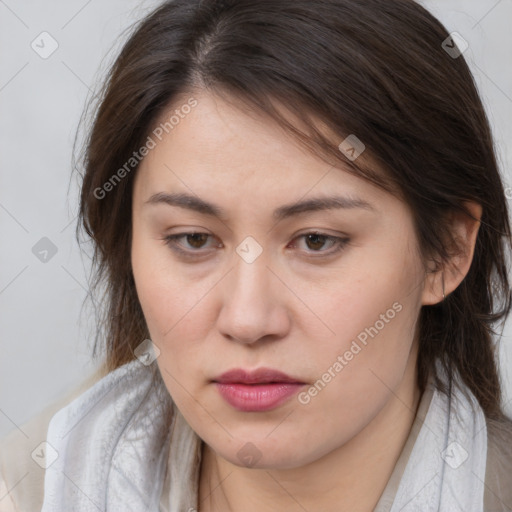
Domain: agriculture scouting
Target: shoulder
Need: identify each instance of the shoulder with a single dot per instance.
(498, 474)
(23, 456)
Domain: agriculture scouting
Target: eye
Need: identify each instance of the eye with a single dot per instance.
(195, 240)
(316, 241)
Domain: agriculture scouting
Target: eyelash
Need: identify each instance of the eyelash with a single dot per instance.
(171, 241)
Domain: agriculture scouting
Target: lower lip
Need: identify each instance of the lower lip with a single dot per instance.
(257, 397)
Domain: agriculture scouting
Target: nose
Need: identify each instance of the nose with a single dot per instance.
(253, 303)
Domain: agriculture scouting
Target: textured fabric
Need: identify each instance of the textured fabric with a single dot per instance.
(112, 444)
(21, 478)
(446, 468)
(123, 446)
(386, 500)
(181, 485)
(498, 473)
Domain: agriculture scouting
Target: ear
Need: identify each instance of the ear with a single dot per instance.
(465, 230)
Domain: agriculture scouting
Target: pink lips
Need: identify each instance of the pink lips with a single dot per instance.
(260, 390)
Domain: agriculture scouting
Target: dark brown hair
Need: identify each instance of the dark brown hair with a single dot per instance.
(373, 68)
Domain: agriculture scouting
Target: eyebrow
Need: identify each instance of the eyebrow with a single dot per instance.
(199, 205)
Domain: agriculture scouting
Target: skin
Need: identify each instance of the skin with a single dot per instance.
(294, 308)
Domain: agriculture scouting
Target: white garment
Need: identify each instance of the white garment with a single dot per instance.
(113, 443)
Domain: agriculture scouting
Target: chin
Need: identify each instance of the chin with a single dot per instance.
(263, 453)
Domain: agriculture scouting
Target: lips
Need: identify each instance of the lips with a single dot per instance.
(260, 390)
(259, 376)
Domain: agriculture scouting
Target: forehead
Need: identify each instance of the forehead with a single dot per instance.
(223, 145)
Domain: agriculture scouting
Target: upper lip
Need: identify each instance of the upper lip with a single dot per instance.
(259, 376)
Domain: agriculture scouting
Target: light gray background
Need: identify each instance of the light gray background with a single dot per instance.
(45, 343)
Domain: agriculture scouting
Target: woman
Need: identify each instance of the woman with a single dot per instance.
(297, 211)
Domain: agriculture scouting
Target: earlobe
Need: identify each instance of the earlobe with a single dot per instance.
(464, 228)
(434, 289)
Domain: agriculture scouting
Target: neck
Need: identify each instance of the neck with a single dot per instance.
(351, 477)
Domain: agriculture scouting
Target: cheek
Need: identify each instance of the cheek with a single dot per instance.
(174, 312)
(358, 374)
(177, 321)
(370, 304)
(373, 319)
(171, 304)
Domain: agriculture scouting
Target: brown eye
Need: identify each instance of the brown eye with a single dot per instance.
(196, 240)
(193, 243)
(316, 243)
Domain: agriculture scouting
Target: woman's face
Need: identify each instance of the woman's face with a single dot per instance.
(334, 311)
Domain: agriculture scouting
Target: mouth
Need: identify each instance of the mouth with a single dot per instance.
(261, 390)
